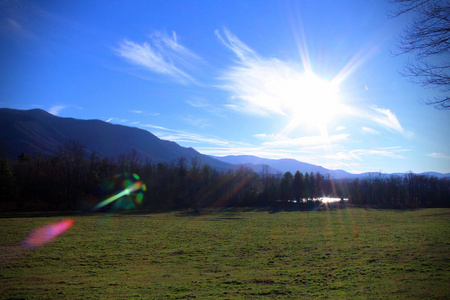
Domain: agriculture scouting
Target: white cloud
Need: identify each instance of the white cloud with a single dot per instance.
(156, 127)
(382, 117)
(438, 155)
(270, 87)
(263, 135)
(56, 109)
(385, 118)
(311, 149)
(205, 105)
(241, 50)
(162, 55)
(267, 87)
(142, 112)
(282, 141)
(183, 136)
(117, 120)
(197, 122)
(257, 85)
(370, 130)
(357, 154)
(198, 103)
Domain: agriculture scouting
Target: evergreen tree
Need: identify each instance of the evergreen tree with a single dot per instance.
(286, 192)
(298, 186)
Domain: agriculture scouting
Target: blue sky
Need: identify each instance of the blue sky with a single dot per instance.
(310, 80)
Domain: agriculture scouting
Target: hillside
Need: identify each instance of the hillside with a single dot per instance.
(37, 131)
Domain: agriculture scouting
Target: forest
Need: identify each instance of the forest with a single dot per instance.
(73, 179)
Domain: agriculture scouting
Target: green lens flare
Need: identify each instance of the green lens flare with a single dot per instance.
(132, 188)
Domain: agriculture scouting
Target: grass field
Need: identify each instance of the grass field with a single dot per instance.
(348, 253)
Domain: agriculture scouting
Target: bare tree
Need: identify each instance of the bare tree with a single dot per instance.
(428, 39)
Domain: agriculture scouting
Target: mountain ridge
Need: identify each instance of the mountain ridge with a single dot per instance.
(283, 165)
(291, 165)
(37, 131)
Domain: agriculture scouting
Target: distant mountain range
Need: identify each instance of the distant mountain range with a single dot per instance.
(37, 131)
(282, 165)
(292, 165)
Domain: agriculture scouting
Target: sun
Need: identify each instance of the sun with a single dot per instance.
(311, 100)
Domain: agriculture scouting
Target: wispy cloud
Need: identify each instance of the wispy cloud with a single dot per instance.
(286, 142)
(386, 118)
(268, 87)
(438, 155)
(163, 54)
(14, 18)
(358, 154)
(370, 130)
(18, 19)
(328, 152)
(180, 136)
(117, 120)
(271, 87)
(205, 105)
(257, 85)
(242, 51)
(143, 112)
(198, 103)
(382, 117)
(56, 109)
(197, 122)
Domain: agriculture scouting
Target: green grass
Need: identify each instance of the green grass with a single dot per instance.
(349, 253)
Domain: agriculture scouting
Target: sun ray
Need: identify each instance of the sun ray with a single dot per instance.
(310, 100)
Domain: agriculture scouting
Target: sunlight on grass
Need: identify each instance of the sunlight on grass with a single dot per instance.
(233, 254)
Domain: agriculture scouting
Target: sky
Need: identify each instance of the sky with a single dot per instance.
(317, 81)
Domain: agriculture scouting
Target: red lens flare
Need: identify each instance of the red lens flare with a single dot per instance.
(47, 233)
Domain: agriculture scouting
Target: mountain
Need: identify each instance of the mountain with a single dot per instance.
(282, 165)
(37, 131)
(292, 165)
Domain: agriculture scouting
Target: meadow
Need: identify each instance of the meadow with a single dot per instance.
(232, 254)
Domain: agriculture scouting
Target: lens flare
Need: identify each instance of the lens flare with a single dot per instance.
(132, 189)
(47, 233)
(132, 192)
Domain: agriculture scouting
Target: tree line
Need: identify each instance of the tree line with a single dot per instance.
(401, 191)
(71, 179)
